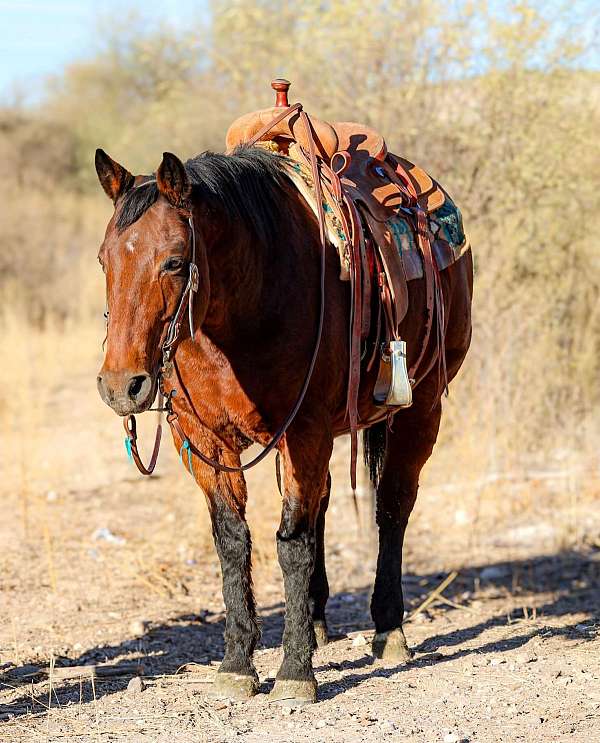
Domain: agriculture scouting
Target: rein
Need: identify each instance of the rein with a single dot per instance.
(187, 298)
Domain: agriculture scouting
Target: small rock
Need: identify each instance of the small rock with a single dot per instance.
(358, 641)
(136, 685)
(221, 704)
(461, 517)
(451, 738)
(286, 711)
(137, 627)
(522, 658)
(51, 496)
(497, 661)
(366, 721)
(423, 617)
(322, 724)
(105, 534)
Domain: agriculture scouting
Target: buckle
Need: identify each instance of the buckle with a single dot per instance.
(194, 277)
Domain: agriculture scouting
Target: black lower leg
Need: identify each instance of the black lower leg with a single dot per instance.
(318, 589)
(233, 543)
(409, 445)
(296, 552)
(387, 602)
(395, 499)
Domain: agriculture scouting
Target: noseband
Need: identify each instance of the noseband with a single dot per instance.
(187, 298)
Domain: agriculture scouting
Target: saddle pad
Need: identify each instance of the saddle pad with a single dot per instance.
(449, 239)
(301, 177)
(447, 232)
(302, 180)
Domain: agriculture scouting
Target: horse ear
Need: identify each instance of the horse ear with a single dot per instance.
(114, 178)
(172, 180)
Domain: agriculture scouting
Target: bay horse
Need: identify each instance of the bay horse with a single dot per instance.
(233, 380)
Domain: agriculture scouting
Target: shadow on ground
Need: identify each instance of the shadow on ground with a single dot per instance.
(571, 578)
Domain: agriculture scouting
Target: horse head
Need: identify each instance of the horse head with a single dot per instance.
(146, 256)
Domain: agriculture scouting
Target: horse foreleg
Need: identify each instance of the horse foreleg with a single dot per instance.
(226, 494)
(409, 445)
(306, 460)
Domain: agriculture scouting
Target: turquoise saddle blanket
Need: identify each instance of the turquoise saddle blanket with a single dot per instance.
(448, 236)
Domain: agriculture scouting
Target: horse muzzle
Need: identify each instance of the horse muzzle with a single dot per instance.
(127, 392)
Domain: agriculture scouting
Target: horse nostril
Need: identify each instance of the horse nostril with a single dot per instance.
(136, 385)
(101, 387)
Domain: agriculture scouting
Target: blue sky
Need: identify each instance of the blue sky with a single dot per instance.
(38, 37)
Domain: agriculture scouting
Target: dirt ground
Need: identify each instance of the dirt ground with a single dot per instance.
(101, 567)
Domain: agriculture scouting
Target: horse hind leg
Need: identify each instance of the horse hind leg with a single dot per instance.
(407, 447)
(318, 589)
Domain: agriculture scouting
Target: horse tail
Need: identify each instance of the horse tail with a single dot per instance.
(374, 445)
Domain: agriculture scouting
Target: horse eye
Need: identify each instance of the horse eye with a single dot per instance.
(173, 264)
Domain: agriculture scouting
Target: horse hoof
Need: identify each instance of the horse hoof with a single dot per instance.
(290, 693)
(321, 634)
(391, 647)
(234, 685)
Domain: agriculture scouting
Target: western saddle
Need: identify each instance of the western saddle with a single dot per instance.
(364, 188)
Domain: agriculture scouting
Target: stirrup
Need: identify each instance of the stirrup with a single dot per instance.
(393, 386)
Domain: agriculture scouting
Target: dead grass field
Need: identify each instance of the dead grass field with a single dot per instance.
(100, 566)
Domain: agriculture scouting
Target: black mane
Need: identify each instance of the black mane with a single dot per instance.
(247, 184)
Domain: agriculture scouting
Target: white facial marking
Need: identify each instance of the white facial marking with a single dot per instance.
(130, 244)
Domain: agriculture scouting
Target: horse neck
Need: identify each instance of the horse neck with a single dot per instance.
(240, 272)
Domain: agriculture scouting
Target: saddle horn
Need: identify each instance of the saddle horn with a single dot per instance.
(290, 129)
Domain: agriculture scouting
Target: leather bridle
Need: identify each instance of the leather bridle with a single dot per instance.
(187, 299)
